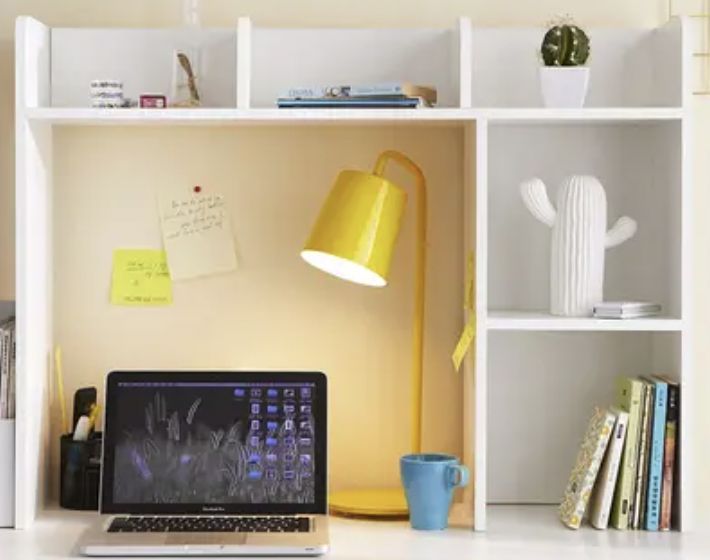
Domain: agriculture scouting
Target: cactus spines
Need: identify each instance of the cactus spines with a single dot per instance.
(565, 45)
(579, 240)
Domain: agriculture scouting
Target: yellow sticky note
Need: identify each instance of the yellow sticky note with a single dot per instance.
(468, 289)
(464, 343)
(140, 278)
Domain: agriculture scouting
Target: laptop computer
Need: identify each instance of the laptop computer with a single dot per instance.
(212, 463)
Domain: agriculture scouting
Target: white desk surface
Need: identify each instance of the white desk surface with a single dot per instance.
(515, 532)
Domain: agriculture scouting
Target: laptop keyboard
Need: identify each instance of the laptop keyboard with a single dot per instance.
(225, 524)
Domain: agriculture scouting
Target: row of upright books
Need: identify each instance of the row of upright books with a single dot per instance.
(625, 473)
(402, 95)
(7, 369)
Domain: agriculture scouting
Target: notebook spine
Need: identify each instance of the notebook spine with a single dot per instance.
(655, 460)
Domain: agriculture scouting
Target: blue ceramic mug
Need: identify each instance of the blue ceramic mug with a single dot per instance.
(429, 480)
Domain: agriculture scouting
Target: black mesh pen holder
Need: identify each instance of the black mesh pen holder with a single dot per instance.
(80, 472)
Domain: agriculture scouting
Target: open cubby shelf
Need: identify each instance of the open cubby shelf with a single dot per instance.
(532, 380)
(564, 374)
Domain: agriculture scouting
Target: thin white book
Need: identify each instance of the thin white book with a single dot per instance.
(603, 493)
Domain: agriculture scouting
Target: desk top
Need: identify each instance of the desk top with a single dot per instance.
(515, 533)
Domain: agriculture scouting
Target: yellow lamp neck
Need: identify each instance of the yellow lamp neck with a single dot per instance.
(400, 158)
(419, 289)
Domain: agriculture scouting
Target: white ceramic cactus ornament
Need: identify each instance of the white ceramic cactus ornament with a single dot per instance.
(579, 240)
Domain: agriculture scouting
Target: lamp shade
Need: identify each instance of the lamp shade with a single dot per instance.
(354, 235)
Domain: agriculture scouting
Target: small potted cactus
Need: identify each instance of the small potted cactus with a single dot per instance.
(564, 78)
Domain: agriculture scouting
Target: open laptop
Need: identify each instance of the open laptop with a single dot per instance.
(213, 463)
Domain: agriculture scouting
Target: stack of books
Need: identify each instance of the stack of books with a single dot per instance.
(387, 95)
(7, 369)
(626, 468)
(626, 310)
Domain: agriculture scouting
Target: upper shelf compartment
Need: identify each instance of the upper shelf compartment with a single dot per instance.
(628, 67)
(144, 60)
(287, 58)
(487, 72)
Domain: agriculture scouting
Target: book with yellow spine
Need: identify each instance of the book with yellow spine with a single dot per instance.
(584, 473)
(629, 400)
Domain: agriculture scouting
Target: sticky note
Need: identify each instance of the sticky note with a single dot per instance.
(464, 343)
(468, 288)
(140, 278)
(197, 234)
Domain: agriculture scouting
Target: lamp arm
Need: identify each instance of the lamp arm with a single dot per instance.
(417, 374)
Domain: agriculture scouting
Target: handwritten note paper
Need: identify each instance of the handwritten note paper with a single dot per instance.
(140, 278)
(196, 233)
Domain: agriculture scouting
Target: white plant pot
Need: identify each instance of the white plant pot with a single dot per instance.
(564, 86)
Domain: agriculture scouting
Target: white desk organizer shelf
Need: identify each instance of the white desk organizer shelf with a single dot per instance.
(535, 377)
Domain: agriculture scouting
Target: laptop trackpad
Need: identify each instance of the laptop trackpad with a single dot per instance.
(205, 538)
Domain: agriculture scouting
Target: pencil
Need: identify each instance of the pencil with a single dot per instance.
(60, 387)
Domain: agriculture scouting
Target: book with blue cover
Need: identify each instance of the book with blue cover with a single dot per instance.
(655, 459)
(386, 89)
(350, 102)
(637, 515)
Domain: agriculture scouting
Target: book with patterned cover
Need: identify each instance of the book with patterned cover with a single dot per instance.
(584, 473)
(603, 494)
(628, 399)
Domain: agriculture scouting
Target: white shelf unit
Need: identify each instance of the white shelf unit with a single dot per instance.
(532, 379)
(538, 376)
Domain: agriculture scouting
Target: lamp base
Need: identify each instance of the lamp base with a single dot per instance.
(384, 503)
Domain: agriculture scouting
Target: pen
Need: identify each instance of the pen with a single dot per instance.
(94, 415)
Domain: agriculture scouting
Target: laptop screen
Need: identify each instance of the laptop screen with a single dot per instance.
(214, 442)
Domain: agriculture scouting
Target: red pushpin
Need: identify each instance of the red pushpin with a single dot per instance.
(197, 188)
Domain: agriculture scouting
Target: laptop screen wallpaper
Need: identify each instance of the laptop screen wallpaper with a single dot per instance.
(214, 443)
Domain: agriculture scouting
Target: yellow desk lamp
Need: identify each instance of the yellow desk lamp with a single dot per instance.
(353, 239)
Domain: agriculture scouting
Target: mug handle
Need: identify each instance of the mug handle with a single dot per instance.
(459, 472)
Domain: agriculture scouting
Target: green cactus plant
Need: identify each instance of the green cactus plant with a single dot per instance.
(565, 44)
